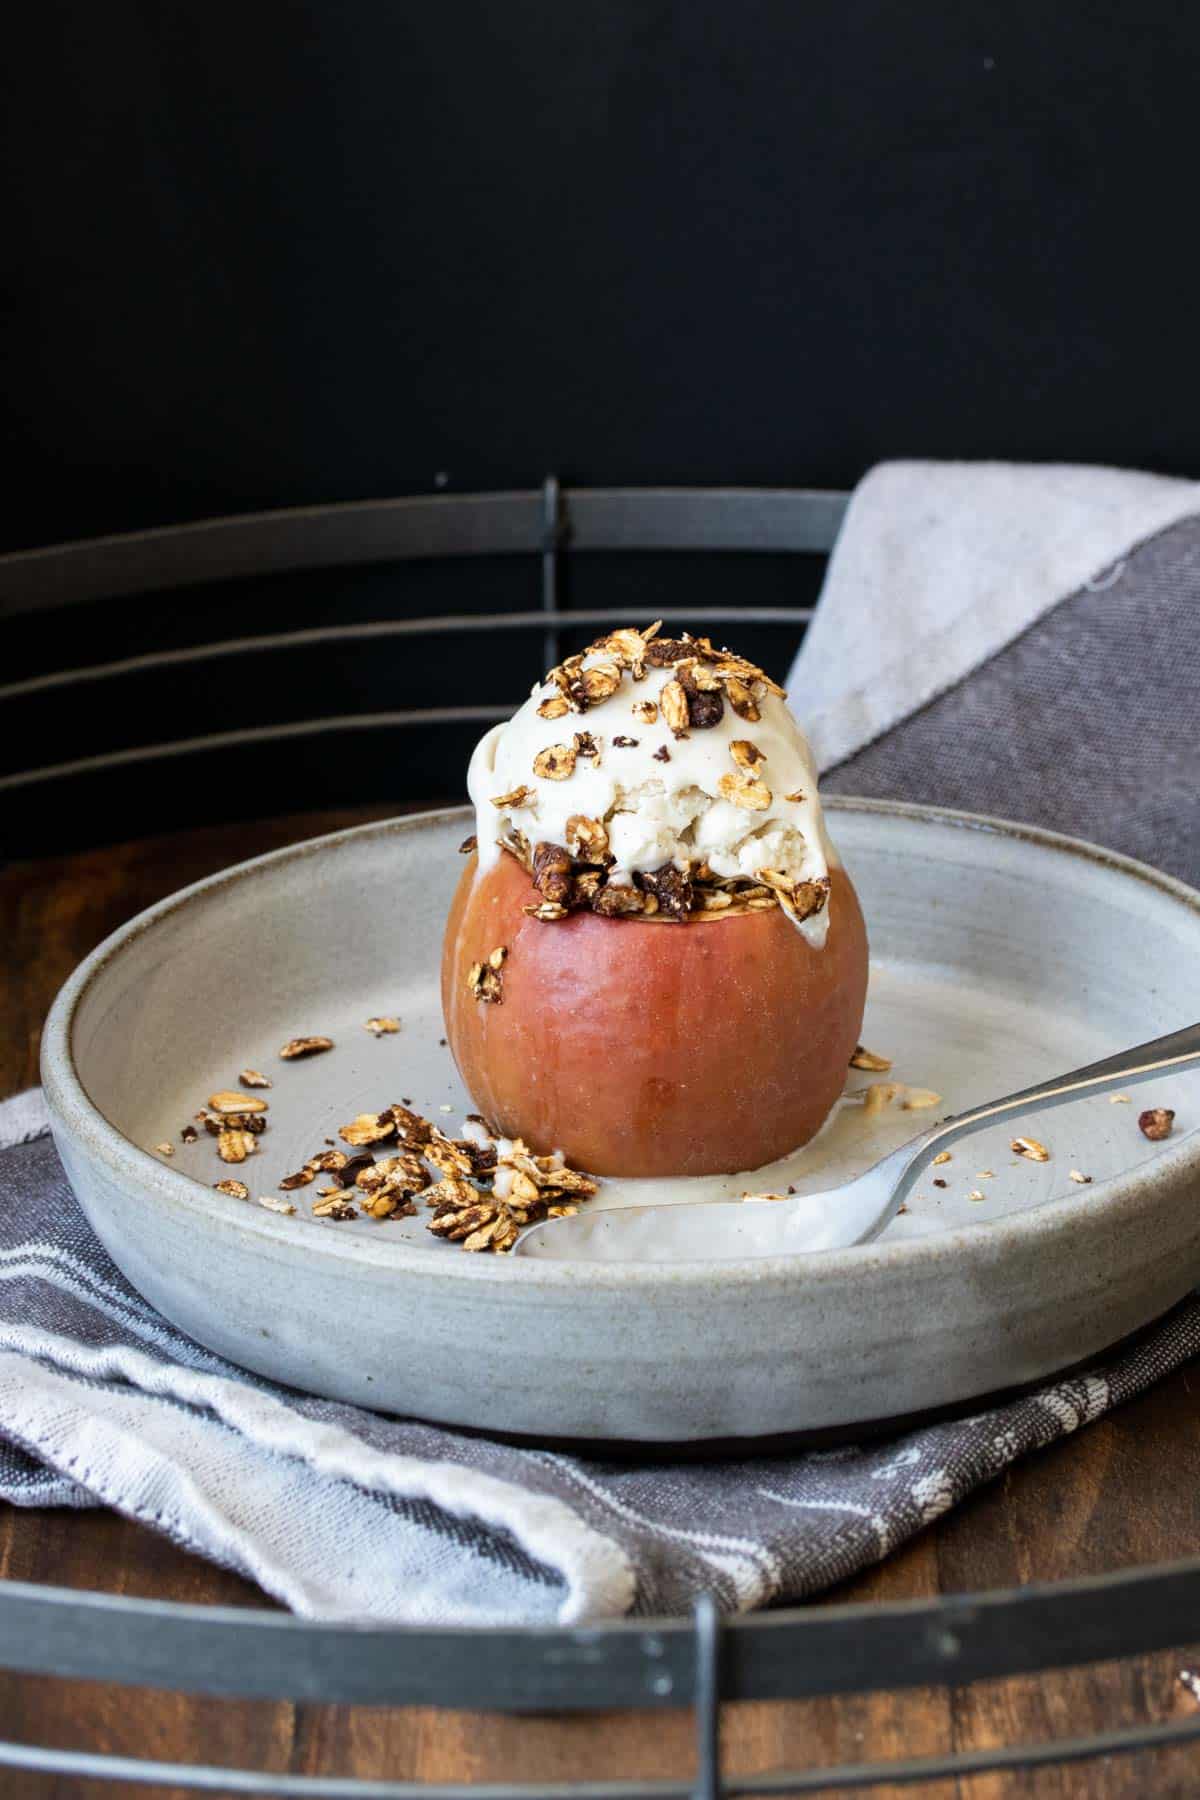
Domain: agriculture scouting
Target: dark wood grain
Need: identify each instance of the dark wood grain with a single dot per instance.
(1124, 1491)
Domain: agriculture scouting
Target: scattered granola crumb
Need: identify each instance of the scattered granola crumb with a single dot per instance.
(1119, 1100)
(625, 743)
(253, 1078)
(974, 1194)
(523, 1187)
(304, 1046)
(301, 1178)
(333, 1207)
(985, 1174)
(918, 1099)
(229, 1102)
(234, 1146)
(903, 1207)
(468, 845)
(189, 1135)
(943, 1156)
(662, 754)
(346, 1174)
(368, 1128)
(1030, 1149)
(165, 1149)
(879, 1095)
(867, 1059)
(939, 1182)
(383, 1025)
(1156, 1122)
(1075, 1175)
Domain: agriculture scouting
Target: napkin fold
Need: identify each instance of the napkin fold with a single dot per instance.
(938, 566)
(1013, 640)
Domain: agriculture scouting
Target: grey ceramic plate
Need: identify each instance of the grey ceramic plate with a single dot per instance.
(999, 955)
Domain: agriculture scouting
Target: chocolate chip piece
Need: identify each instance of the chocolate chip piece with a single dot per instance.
(671, 887)
(705, 709)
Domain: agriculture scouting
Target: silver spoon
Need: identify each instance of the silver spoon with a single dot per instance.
(835, 1217)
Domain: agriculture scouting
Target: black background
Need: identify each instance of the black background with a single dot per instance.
(272, 254)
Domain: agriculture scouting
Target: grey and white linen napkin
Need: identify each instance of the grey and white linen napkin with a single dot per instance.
(1016, 639)
(1064, 691)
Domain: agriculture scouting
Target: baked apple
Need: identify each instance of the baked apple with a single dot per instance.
(654, 961)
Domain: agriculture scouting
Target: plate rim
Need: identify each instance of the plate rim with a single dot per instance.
(74, 1114)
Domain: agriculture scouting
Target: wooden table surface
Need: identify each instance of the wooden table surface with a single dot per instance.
(1123, 1492)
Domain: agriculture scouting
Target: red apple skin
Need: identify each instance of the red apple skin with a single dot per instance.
(652, 1049)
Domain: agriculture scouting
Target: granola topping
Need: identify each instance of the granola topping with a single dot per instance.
(484, 979)
(556, 762)
(704, 770)
(745, 790)
(515, 800)
(672, 888)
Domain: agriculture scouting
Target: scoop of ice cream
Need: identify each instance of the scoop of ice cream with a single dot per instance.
(646, 756)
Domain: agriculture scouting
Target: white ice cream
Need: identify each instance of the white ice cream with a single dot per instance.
(658, 811)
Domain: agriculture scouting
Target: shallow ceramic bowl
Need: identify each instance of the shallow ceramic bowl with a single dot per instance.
(1000, 955)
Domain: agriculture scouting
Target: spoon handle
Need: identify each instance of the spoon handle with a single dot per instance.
(1175, 1051)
